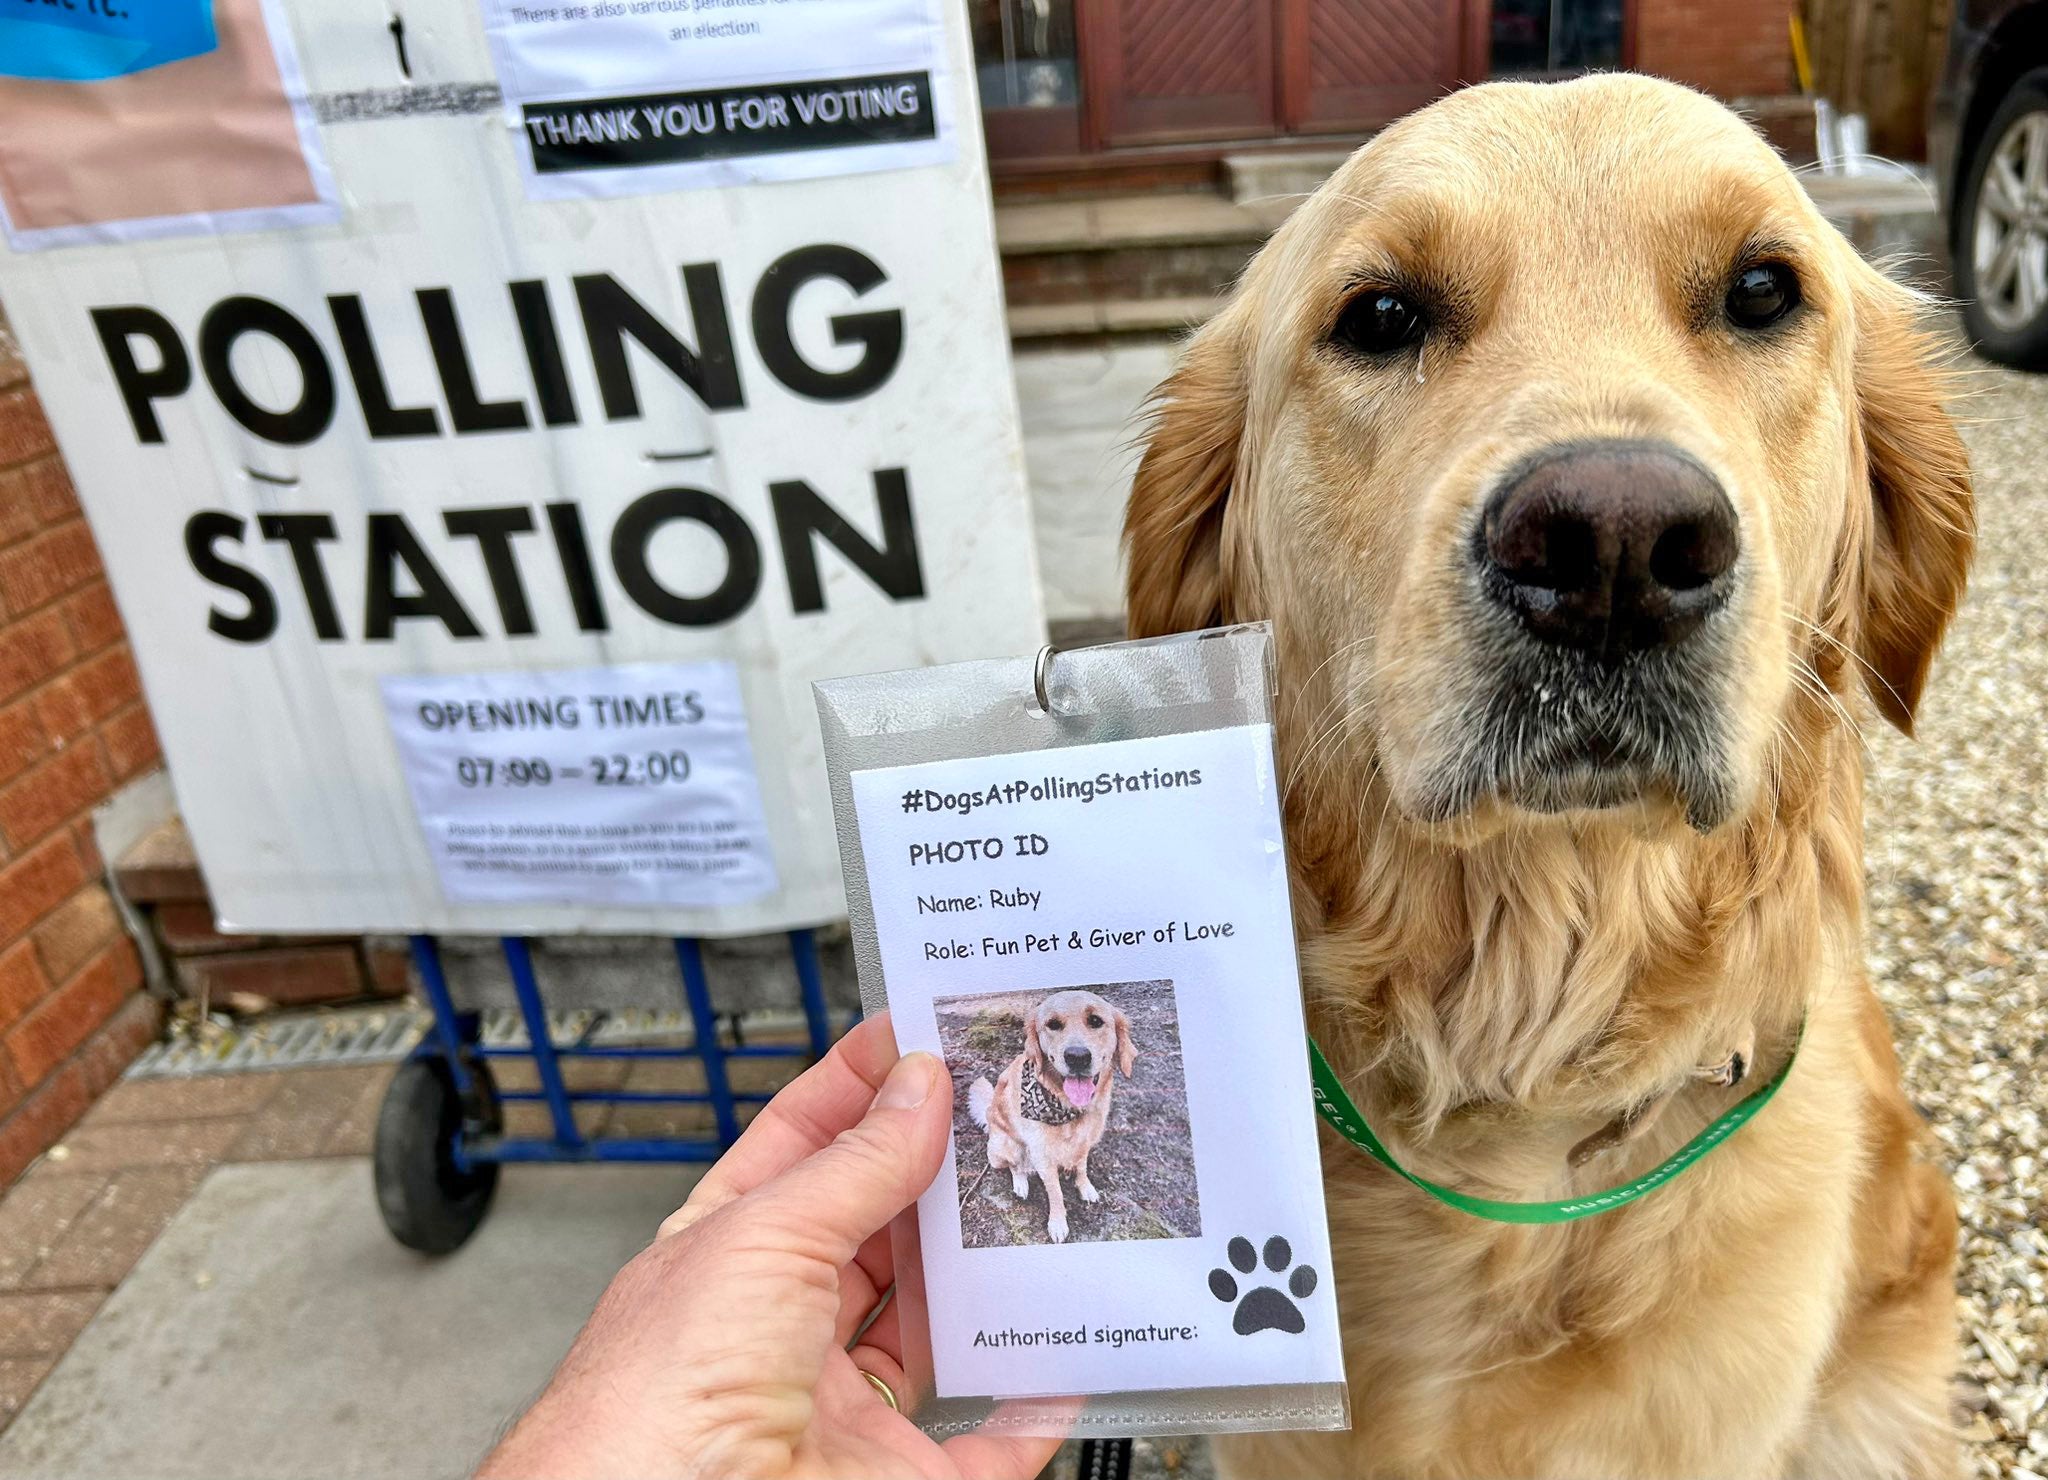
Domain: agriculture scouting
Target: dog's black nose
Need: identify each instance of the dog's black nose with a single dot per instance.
(1610, 547)
(1079, 1062)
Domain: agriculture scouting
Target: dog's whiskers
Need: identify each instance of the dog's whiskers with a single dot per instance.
(1870, 672)
(1322, 745)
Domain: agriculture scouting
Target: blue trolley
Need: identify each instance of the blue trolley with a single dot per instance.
(441, 1132)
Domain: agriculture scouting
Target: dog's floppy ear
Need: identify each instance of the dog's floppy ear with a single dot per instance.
(1173, 524)
(1033, 1054)
(1922, 523)
(1126, 1050)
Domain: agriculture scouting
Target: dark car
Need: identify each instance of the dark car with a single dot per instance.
(1987, 139)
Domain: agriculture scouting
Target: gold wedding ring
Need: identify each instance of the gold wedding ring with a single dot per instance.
(881, 1387)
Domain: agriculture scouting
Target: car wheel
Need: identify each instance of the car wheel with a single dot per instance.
(2001, 266)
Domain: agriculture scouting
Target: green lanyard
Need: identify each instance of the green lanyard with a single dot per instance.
(1335, 1106)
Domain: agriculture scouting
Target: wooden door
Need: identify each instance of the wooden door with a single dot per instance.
(1171, 71)
(1349, 65)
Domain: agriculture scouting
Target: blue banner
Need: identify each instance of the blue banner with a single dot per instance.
(92, 40)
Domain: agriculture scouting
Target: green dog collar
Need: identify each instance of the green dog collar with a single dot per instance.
(1336, 1107)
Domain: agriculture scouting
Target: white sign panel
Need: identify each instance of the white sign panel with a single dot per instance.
(630, 786)
(1040, 929)
(466, 432)
(621, 96)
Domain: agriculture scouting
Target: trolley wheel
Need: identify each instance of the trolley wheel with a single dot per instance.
(428, 1202)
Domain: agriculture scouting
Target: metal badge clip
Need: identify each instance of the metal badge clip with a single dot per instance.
(1041, 675)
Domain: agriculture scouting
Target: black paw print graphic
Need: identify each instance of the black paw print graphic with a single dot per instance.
(1265, 1308)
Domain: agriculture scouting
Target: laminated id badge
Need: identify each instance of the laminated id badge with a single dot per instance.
(1067, 879)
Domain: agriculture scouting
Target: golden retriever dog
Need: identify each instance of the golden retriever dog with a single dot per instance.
(1047, 1111)
(1595, 487)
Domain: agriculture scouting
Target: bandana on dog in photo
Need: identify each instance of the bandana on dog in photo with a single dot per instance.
(1038, 1103)
(1082, 908)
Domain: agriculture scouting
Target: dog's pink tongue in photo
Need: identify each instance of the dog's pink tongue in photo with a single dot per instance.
(1080, 1092)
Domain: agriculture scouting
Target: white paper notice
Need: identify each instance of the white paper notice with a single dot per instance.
(622, 786)
(1098, 942)
(621, 97)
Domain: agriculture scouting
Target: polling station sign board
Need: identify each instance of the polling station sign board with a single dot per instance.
(479, 548)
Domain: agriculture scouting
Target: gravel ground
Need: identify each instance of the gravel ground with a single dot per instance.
(1957, 854)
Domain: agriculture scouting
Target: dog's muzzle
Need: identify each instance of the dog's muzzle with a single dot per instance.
(1602, 575)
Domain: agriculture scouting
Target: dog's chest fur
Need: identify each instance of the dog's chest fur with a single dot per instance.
(1475, 1348)
(1564, 974)
(1480, 1007)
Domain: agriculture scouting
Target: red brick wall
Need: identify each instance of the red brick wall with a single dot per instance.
(72, 729)
(1730, 48)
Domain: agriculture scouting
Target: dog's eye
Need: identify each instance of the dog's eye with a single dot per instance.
(1378, 322)
(1762, 295)
(1055, 1024)
(1094, 1021)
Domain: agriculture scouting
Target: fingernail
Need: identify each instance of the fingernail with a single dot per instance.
(908, 1084)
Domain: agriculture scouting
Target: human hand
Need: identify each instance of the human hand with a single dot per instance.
(721, 1349)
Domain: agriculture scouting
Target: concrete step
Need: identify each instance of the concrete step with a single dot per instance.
(1271, 174)
(1890, 214)
(1879, 191)
(1093, 266)
(1086, 318)
(1151, 264)
(1276, 177)
(1159, 219)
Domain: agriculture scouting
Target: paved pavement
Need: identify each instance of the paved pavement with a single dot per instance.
(193, 1314)
(1080, 409)
(276, 1331)
(201, 1260)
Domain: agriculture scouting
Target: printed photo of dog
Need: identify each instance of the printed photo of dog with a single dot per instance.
(1070, 1115)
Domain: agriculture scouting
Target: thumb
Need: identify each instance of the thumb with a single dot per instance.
(844, 1192)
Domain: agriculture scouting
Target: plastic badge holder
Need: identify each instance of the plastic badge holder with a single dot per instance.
(1176, 685)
